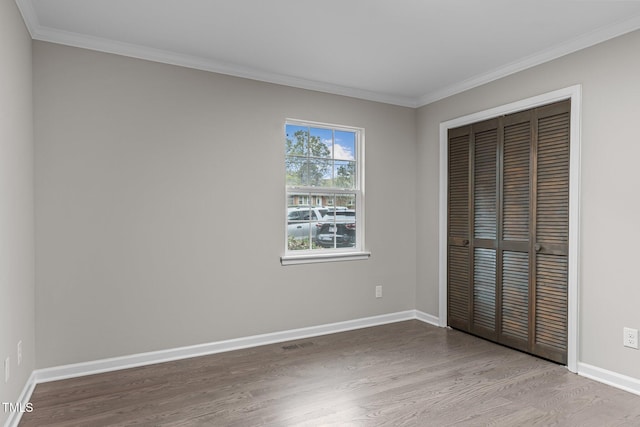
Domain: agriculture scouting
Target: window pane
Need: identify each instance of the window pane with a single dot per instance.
(320, 142)
(309, 172)
(344, 145)
(297, 140)
(320, 173)
(296, 200)
(298, 219)
(328, 201)
(338, 229)
(297, 170)
(296, 243)
(304, 219)
(346, 201)
(345, 174)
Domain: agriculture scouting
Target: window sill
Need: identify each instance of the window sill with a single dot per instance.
(315, 258)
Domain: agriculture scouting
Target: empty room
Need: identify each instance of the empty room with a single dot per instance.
(283, 213)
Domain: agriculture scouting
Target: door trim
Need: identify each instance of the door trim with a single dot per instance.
(574, 93)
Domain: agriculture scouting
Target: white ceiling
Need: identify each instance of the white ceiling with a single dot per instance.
(405, 52)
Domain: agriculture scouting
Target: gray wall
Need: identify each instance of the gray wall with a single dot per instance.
(16, 203)
(160, 195)
(610, 225)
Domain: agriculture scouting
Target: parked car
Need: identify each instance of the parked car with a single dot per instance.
(301, 221)
(336, 235)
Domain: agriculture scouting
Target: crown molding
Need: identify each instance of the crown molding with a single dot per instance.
(52, 35)
(38, 32)
(595, 37)
(204, 64)
(29, 15)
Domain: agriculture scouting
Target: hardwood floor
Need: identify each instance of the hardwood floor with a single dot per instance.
(401, 374)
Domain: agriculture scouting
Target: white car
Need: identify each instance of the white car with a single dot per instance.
(301, 221)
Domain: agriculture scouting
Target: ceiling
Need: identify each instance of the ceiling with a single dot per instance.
(404, 52)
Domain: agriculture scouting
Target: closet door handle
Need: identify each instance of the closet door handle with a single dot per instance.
(465, 242)
(537, 247)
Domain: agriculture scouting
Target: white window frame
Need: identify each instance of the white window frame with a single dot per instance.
(358, 252)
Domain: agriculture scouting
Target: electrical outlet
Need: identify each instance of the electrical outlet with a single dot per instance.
(6, 369)
(630, 338)
(19, 352)
(379, 291)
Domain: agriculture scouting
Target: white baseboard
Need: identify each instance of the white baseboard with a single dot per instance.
(117, 363)
(427, 318)
(131, 361)
(124, 362)
(623, 382)
(614, 379)
(23, 399)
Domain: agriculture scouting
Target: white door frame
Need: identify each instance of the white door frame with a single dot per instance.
(574, 93)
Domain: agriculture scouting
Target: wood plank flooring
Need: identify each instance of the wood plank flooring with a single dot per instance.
(401, 374)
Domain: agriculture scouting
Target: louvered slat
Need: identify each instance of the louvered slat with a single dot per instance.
(485, 184)
(552, 215)
(459, 186)
(458, 291)
(515, 295)
(484, 288)
(515, 203)
(551, 301)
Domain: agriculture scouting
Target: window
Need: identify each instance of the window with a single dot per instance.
(324, 185)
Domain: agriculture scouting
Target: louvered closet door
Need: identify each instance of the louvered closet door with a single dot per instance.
(515, 231)
(484, 150)
(508, 229)
(551, 230)
(458, 266)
